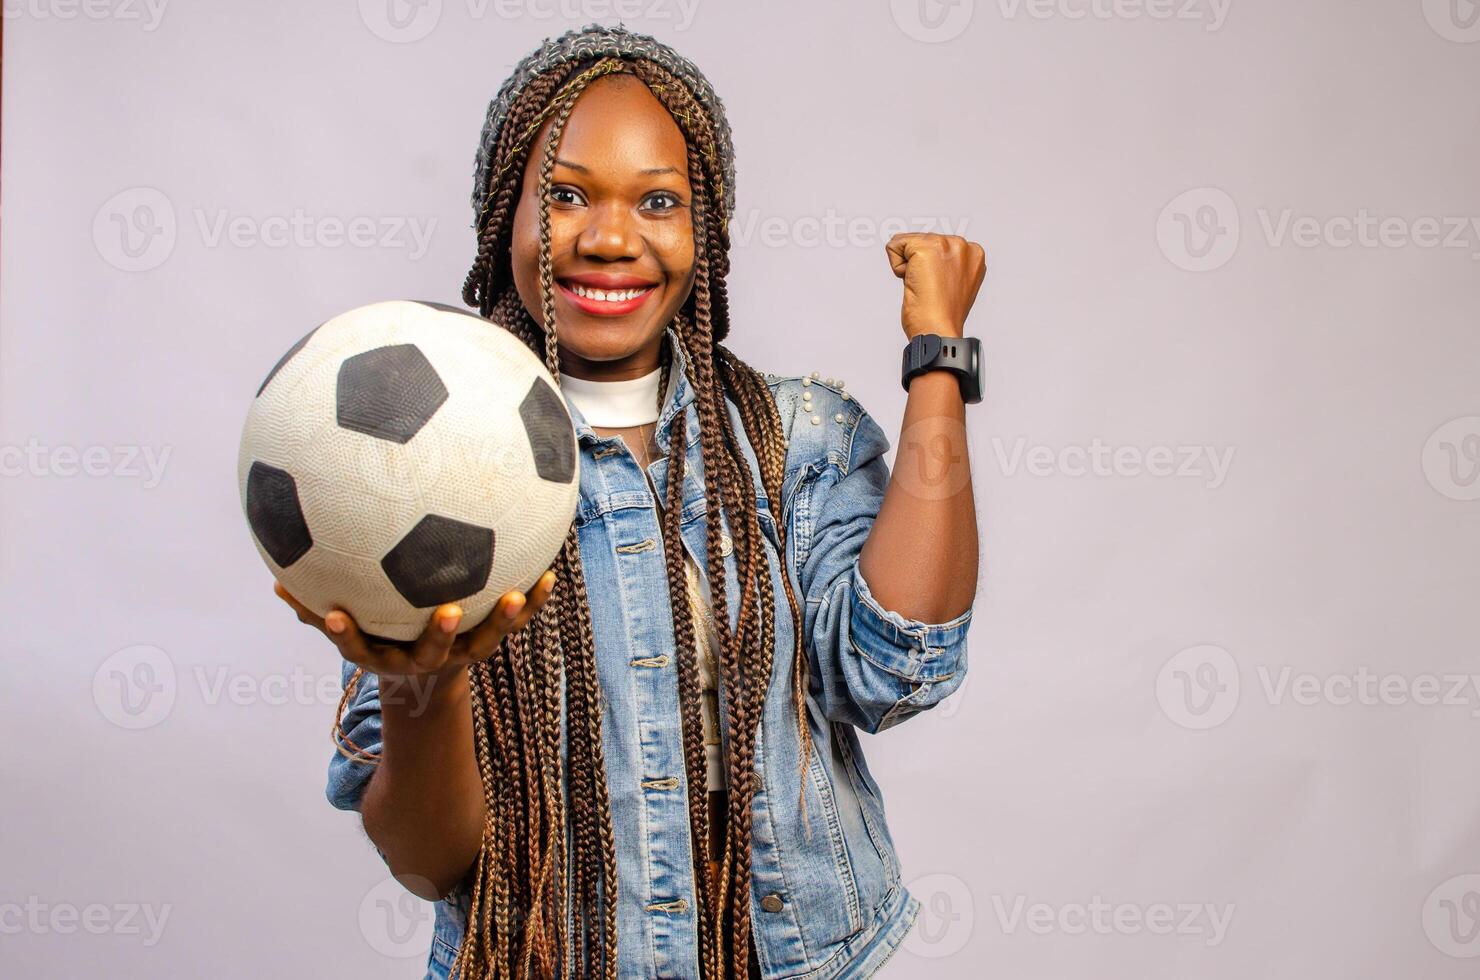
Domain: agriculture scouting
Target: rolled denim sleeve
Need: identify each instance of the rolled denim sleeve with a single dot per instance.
(361, 723)
(874, 667)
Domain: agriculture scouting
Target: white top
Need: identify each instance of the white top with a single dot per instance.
(613, 404)
(631, 402)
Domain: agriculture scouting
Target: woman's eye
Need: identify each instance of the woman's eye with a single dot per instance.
(663, 201)
(565, 195)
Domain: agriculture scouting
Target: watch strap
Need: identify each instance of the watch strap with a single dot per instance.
(959, 355)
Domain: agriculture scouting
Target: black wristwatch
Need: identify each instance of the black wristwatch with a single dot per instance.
(962, 356)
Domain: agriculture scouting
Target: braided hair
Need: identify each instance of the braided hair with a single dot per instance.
(526, 885)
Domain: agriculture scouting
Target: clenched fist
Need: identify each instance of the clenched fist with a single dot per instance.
(941, 274)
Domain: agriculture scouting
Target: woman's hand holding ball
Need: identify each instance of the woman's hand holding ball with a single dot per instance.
(440, 649)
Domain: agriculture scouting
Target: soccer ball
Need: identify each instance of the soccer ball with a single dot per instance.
(404, 455)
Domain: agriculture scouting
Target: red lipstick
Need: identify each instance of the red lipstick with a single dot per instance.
(596, 289)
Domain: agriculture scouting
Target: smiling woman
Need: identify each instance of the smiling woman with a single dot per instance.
(620, 230)
(650, 767)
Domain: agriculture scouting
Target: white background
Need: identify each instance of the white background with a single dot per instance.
(1248, 690)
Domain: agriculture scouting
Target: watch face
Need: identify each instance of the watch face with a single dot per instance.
(974, 364)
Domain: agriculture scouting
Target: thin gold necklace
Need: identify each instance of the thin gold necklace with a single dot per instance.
(645, 433)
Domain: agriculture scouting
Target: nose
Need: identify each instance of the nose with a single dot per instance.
(610, 234)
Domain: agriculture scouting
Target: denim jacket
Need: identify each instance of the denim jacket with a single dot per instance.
(826, 900)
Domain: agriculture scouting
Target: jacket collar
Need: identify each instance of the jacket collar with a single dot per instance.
(680, 399)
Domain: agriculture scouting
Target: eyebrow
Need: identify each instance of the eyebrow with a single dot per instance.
(650, 171)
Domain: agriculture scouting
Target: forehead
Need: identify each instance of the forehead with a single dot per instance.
(619, 126)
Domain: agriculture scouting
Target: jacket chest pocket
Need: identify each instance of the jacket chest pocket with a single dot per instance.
(763, 515)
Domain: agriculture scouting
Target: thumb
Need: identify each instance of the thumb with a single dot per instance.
(898, 251)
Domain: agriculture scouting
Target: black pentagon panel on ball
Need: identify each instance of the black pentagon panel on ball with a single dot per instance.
(547, 426)
(275, 515)
(440, 560)
(388, 393)
(292, 351)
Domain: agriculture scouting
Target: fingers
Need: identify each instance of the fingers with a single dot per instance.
(305, 615)
(435, 642)
(979, 260)
(342, 630)
(510, 614)
(538, 596)
(951, 270)
(486, 636)
(338, 626)
(439, 643)
(895, 248)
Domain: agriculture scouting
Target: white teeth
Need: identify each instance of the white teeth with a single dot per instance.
(608, 296)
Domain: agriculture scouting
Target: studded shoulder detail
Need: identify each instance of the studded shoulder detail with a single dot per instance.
(819, 414)
(808, 380)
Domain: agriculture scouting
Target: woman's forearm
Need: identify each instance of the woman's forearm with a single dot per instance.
(920, 559)
(424, 806)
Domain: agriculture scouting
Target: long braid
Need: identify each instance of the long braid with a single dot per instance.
(493, 778)
(742, 677)
(503, 200)
(595, 878)
(685, 643)
(747, 654)
(744, 663)
(730, 900)
(530, 881)
(763, 427)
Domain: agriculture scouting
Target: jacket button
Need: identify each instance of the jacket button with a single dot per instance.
(771, 903)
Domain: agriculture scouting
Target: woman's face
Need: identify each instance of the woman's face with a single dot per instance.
(620, 225)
